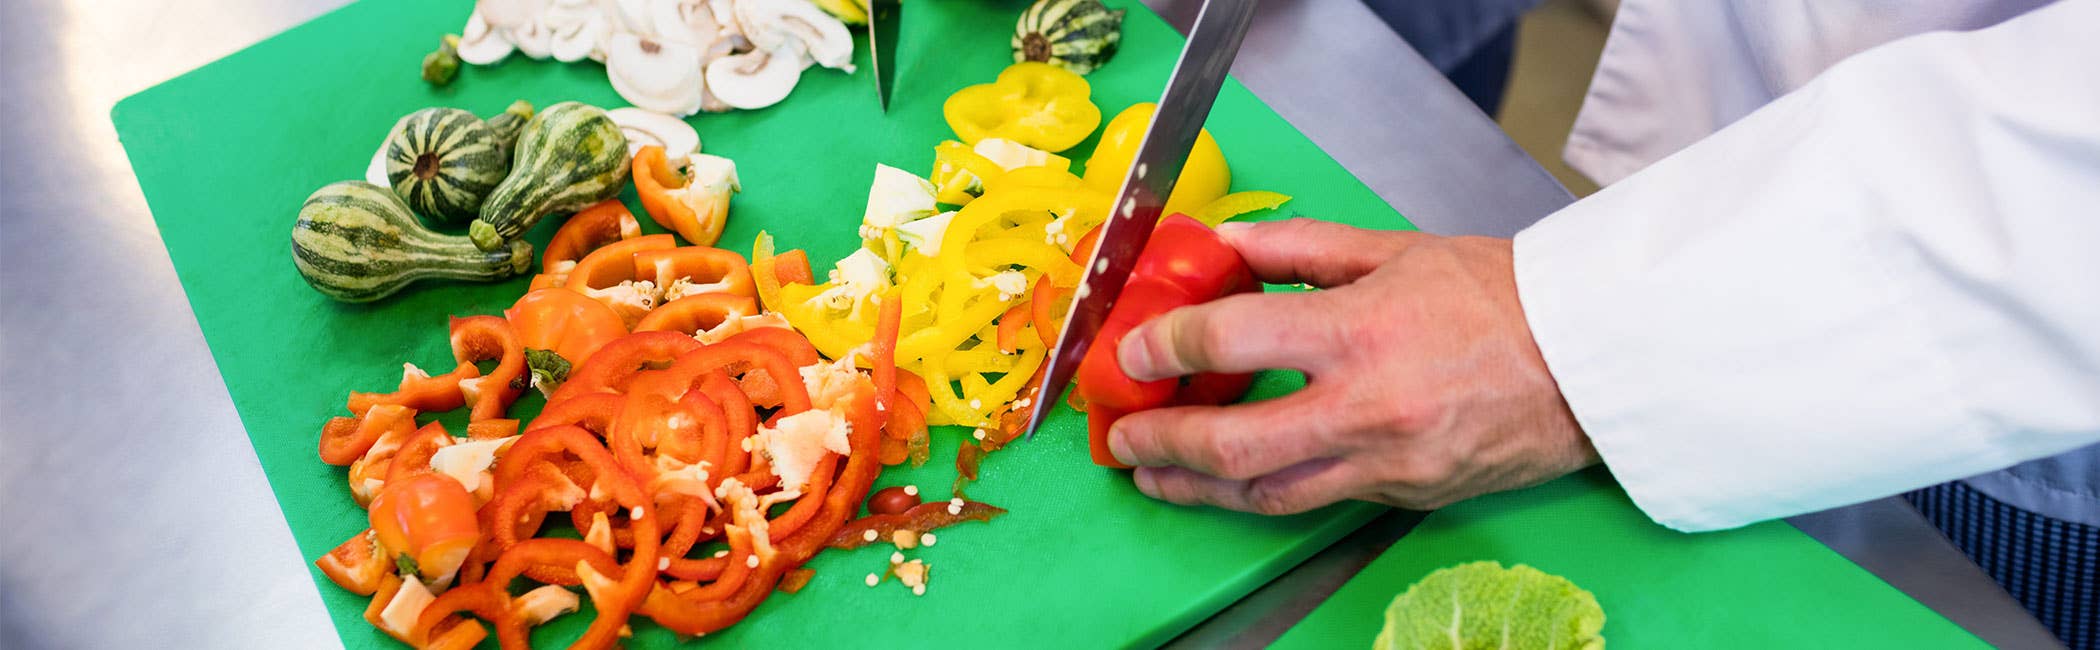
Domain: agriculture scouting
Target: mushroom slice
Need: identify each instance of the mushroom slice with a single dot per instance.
(577, 28)
(772, 24)
(534, 39)
(481, 44)
(631, 16)
(647, 127)
(755, 79)
(662, 77)
(510, 14)
(686, 21)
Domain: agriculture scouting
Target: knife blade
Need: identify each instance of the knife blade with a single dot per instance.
(1191, 90)
(883, 17)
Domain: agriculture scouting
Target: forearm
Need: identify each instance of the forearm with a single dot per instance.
(1881, 281)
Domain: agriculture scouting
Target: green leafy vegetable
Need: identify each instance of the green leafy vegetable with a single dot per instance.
(1483, 605)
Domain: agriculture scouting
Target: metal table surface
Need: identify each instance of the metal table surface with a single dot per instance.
(136, 511)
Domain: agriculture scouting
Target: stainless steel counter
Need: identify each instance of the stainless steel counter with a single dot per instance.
(135, 512)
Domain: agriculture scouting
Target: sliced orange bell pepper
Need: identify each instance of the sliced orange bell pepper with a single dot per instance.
(344, 440)
(695, 314)
(490, 338)
(602, 223)
(611, 265)
(695, 213)
(792, 267)
(428, 521)
(566, 322)
(707, 269)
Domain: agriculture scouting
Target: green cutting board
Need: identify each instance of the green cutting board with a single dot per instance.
(1763, 586)
(226, 154)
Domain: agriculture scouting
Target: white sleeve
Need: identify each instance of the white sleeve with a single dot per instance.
(1887, 279)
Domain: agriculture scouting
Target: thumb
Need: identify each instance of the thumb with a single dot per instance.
(1319, 253)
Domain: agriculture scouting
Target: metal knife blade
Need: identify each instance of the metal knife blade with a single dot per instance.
(1191, 90)
(883, 17)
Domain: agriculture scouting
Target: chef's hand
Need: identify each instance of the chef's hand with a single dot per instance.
(1423, 384)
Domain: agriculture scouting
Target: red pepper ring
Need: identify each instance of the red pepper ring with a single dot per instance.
(487, 601)
(697, 569)
(805, 507)
(692, 520)
(715, 270)
(685, 615)
(610, 370)
(618, 601)
(546, 444)
(739, 354)
(739, 423)
(789, 342)
(547, 557)
(920, 518)
(519, 507)
(483, 338)
(594, 412)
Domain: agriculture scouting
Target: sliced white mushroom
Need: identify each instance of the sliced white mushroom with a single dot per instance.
(712, 104)
(510, 14)
(685, 21)
(481, 44)
(646, 127)
(755, 79)
(772, 24)
(533, 39)
(725, 15)
(662, 77)
(577, 27)
(631, 16)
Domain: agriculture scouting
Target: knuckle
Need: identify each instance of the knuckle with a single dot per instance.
(1273, 498)
(1229, 456)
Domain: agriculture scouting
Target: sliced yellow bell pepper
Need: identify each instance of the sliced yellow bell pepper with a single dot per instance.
(1239, 203)
(1204, 176)
(1035, 104)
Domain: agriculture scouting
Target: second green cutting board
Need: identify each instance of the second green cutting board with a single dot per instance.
(226, 154)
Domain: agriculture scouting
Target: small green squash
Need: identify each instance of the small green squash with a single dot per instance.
(507, 124)
(357, 242)
(444, 162)
(569, 156)
(1077, 35)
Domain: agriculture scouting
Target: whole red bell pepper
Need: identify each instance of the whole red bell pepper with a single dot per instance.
(1184, 263)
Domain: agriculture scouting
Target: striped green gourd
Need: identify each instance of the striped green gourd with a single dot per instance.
(569, 156)
(1077, 35)
(358, 242)
(444, 162)
(507, 124)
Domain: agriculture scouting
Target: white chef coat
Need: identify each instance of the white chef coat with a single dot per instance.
(1869, 278)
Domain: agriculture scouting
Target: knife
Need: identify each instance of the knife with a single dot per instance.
(1191, 90)
(883, 16)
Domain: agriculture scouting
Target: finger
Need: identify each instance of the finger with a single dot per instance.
(1319, 253)
(1240, 441)
(1238, 333)
(1296, 489)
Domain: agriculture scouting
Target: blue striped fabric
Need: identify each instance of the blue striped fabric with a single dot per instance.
(2050, 565)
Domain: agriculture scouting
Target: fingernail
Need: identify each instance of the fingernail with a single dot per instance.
(1134, 354)
(1118, 447)
(1145, 482)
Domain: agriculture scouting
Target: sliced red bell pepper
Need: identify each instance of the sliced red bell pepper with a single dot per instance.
(920, 518)
(613, 366)
(594, 412)
(485, 338)
(428, 394)
(1183, 263)
(414, 457)
(356, 565)
(344, 440)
